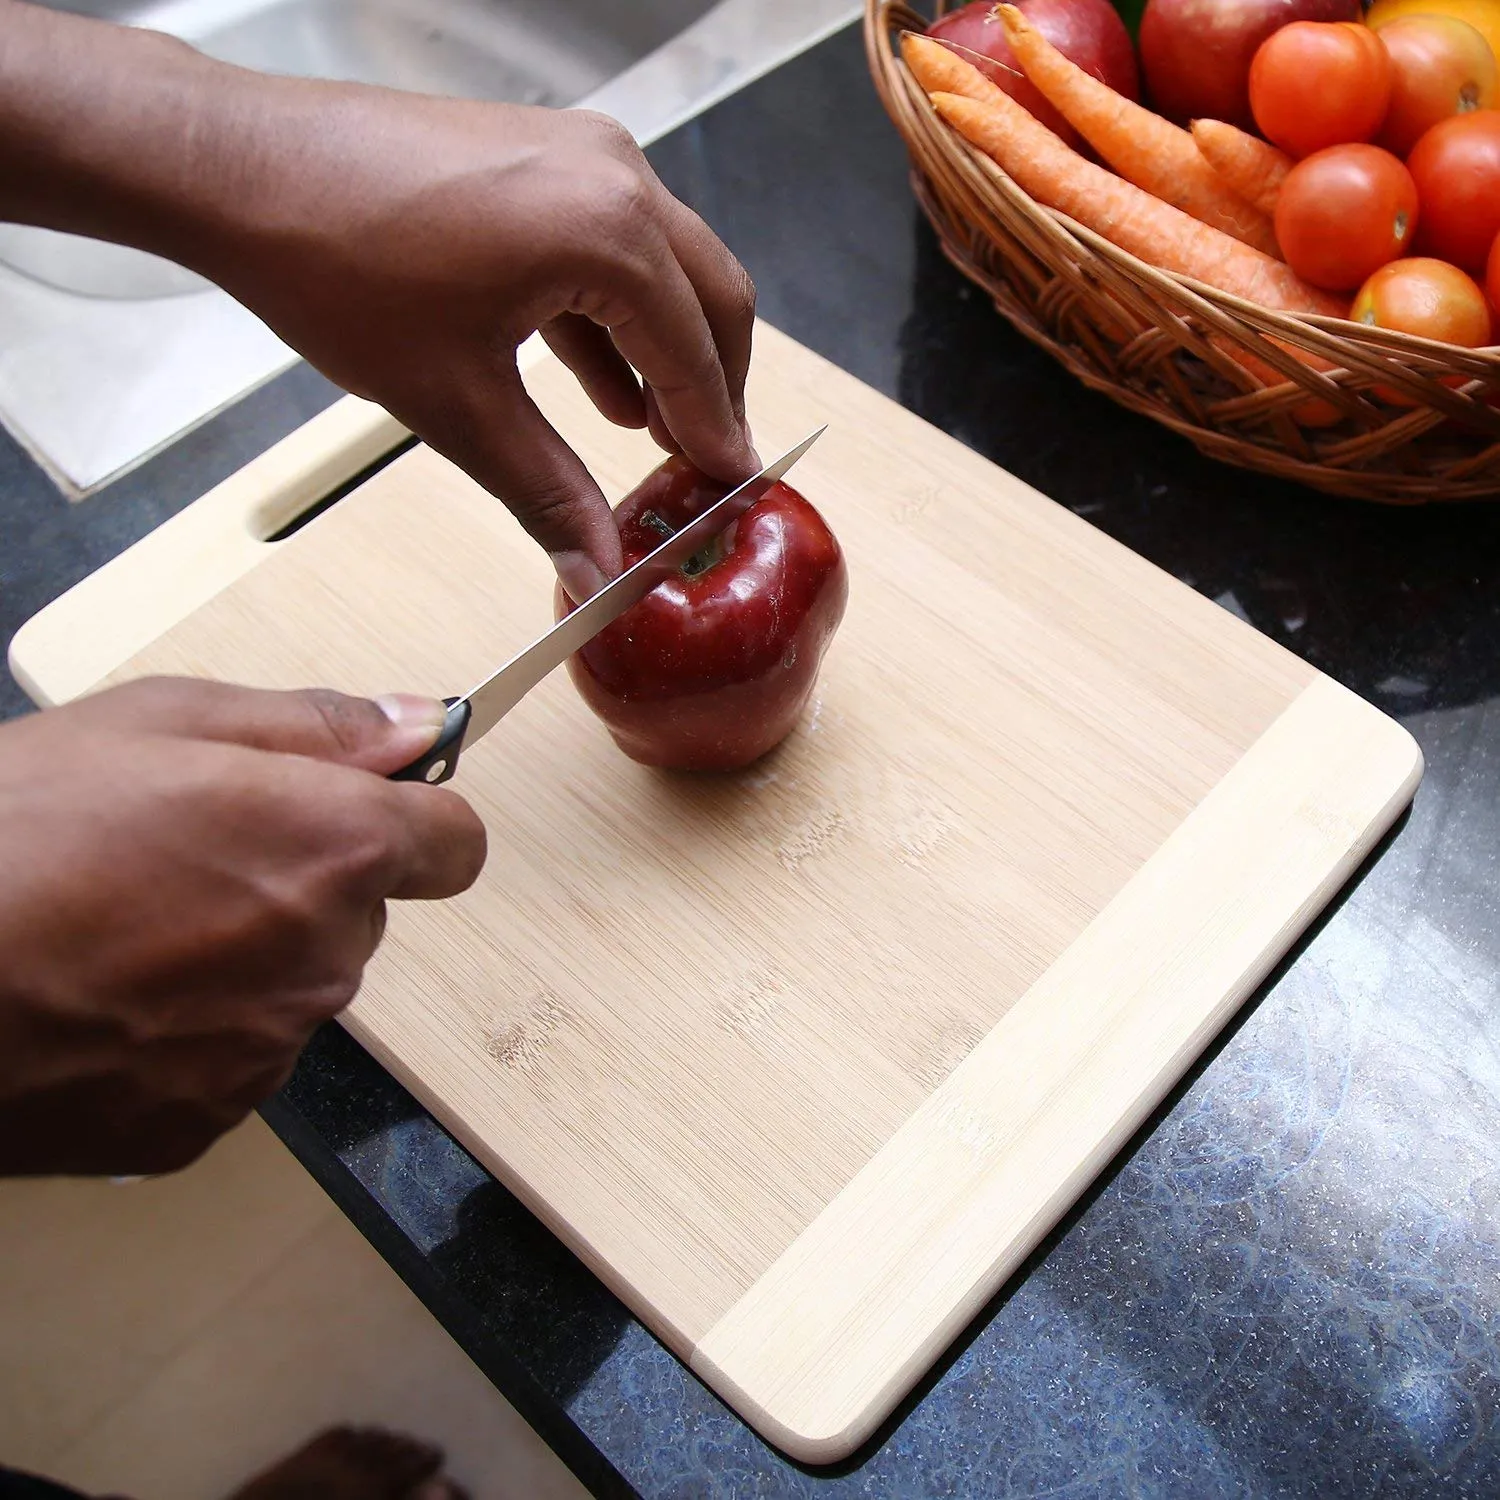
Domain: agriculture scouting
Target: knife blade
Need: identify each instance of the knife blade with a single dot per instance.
(473, 715)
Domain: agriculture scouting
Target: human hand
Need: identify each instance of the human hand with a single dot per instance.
(407, 245)
(192, 878)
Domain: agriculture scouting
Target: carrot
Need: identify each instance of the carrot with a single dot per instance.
(1142, 147)
(942, 71)
(1252, 167)
(1153, 231)
(1128, 216)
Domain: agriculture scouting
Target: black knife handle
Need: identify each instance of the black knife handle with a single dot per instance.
(439, 764)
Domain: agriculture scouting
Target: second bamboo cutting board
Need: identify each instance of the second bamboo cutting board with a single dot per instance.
(802, 1061)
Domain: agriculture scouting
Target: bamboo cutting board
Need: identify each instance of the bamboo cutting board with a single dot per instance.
(803, 1061)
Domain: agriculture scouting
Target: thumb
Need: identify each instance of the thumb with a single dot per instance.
(379, 735)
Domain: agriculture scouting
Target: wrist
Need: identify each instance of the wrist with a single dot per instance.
(120, 133)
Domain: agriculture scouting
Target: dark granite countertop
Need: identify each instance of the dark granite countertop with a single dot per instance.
(1289, 1283)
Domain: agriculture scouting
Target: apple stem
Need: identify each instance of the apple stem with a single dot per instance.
(699, 562)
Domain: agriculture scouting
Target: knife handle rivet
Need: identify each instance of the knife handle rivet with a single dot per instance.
(436, 769)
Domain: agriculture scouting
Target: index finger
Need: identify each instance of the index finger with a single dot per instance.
(658, 322)
(725, 292)
(440, 843)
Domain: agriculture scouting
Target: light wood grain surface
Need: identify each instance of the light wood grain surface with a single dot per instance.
(805, 1059)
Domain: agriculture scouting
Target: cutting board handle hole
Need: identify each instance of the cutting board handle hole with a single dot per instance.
(271, 521)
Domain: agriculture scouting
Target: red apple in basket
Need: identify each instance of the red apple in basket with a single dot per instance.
(1087, 32)
(1196, 54)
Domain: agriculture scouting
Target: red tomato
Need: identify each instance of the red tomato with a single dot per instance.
(712, 668)
(1087, 32)
(1315, 84)
(1492, 274)
(1196, 53)
(1456, 166)
(1344, 212)
(1440, 66)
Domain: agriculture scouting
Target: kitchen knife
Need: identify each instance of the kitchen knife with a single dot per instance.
(472, 717)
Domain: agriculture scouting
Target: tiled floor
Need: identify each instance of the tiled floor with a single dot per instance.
(168, 1338)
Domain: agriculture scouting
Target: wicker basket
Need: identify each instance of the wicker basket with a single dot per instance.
(1154, 341)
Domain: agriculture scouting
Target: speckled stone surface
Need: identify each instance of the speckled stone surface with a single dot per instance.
(1289, 1283)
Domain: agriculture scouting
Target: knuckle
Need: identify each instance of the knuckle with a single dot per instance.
(364, 863)
(287, 1014)
(261, 1044)
(260, 1085)
(741, 293)
(365, 833)
(145, 690)
(347, 724)
(468, 840)
(324, 1001)
(623, 203)
(608, 132)
(177, 1130)
(313, 937)
(291, 924)
(544, 507)
(307, 921)
(698, 374)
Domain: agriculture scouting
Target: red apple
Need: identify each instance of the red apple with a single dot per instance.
(1196, 53)
(713, 667)
(1087, 32)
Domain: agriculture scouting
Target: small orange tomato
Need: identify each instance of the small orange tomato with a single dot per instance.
(1425, 297)
(1343, 213)
(1440, 67)
(1320, 83)
(1492, 274)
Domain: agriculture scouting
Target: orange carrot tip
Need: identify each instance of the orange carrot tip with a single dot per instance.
(1254, 168)
(939, 69)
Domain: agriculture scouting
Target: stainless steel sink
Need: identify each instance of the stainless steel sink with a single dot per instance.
(536, 52)
(107, 354)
